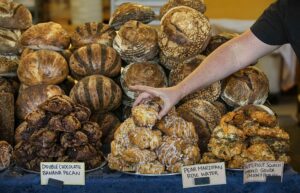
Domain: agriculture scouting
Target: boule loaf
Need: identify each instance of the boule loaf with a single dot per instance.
(14, 15)
(47, 35)
(10, 41)
(92, 33)
(185, 32)
(43, 67)
(142, 73)
(247, 86)
(195, 4)
(217, 41)
(136, 42)
(7, 117)
(97, 92)
(65, 53)
(30, 98)
(95, 59)
(204, 115)
(131, 11)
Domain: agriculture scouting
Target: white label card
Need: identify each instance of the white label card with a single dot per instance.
(203, 175)
(263, 171)
(70, 173)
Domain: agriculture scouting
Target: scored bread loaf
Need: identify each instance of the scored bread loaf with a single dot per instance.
(97, 92)
(92, 33)
(9, 41)
(185, 32)
(7, 117)
(95, 59)
(47, 35)
(14, 15)
(136, 42)
(195, 4)
(43, 67)
(131, 11)
(142, 73)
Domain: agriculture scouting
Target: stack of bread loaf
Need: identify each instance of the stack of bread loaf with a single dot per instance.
(142, 144)
(59, 130)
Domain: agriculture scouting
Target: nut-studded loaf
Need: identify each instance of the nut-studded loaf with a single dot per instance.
(143, 73)
(30, 98)
(43, 67)
(92, 33)
(95, 59)
(195, 4)
(131, 11)
(185, 32)
(14, 15)
(136, 42)
(247, 86)
(10, 41)
(210, 93)
(7, 117)
(48, 35)
(97, 92)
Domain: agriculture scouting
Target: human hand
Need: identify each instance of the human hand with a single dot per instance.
(170, 96)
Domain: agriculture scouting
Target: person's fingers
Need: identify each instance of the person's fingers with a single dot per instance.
(164, 111)
(148, 89)
(141, 98)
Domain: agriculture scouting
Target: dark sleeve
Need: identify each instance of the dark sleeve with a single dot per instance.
(270, 26)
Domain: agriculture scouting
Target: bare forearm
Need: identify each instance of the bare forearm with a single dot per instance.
(227, 59)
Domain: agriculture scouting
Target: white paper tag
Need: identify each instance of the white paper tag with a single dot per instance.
(262, 171)
(203, 175)
(70, 173)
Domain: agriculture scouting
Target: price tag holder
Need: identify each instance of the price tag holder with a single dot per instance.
(69, 173)
(203, 175)
(263, 171)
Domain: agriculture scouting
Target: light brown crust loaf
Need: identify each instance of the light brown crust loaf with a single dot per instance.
(131, 11)
(48, 35)
(14, 16)
(30, 98)
(97, 92)
(10, 41)
(95, 59)
(195, 4)
(144, 73)
(92, 33)
(247, 86)
(136, 42)
(185, 32)
(43, 67)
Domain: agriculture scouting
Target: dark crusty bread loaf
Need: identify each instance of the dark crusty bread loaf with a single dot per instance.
(195, 4)
(92, 33)
(43, 67)
(7, 117)
(30, 98)
(14, 15)
(95, 59)
(8, 65)
(48, 35)
(97, 92)
(10, 41)
(131, 11)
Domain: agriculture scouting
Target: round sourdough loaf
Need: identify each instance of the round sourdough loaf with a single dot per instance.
(97, 92)
(136, 42)
(43, 67)
(92, 33)
(10, 41)
(49, 35)
(95, 59)
(195, 4)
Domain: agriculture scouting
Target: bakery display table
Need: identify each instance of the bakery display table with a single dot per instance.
(14, 180)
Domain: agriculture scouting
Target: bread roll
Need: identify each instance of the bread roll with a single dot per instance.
(185, 32)
(195, 4)
(30, 98)
(43, 67)
(48, 35)
(131, 11)
(8, 65)
(97, 92)
(92, 33)
(6, 152)
(10, 41)
(95, 59)
(144, 73)
(203, 115)
(247, 86)
(136, 42)
(14, 15)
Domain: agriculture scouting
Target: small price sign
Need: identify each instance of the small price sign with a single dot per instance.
(203, 175)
